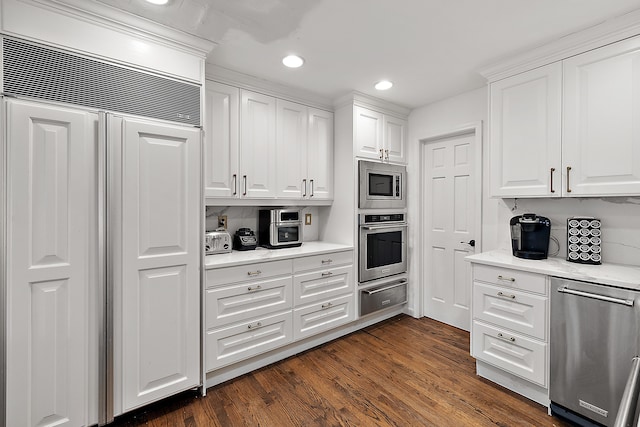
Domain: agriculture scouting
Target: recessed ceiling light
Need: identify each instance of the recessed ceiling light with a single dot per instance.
(293, 61)
(383, 85)
(160, 2)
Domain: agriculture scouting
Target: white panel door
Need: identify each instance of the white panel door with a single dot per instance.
(449, 218)
(291, 149)
(160, 281)
(525, 134)
(368, 133)
(320, 155)
(601, 127)
(221, 140)
(51, 263)
(257, 146)
(395, 137)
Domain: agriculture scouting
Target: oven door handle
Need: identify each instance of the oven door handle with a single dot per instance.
(566, 290)
(383, 227)
(386, 288)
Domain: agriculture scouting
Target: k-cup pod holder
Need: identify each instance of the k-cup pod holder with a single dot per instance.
(584, 239)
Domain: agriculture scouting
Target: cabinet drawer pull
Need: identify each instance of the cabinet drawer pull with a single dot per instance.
(502, 337)
(327, 305)
(254, 273)
(510, 279)
(326, 261)
(311, 188)
(568, 172)
(503, 295)
(256, 326)
(304, 185)
(235, 184)
(327, 274)
(552, 171)
(254, 288)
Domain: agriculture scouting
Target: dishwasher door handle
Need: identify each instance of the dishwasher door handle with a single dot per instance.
(566, 290)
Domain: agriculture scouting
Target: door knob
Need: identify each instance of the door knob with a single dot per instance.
(471, 243)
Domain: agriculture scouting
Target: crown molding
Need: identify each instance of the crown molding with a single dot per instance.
(372, 103)
(606, 32)
(107, 16)
(266, 87)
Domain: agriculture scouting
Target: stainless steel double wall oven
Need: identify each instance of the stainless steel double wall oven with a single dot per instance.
(382, 261)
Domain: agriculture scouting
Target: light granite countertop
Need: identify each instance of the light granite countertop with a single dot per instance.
(623, 276)
(262, 254)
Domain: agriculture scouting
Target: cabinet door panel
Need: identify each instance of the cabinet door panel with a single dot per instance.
(314, 286)
(320, 155)
(601, 127)
(395, 136)
(160, 261)
(291, 136)
(51, 198)
(368, 133)
(322, 316)
(257, 146)
(525, 133)
(221, 140)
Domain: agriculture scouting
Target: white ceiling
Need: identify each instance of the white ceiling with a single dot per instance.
(430, 49)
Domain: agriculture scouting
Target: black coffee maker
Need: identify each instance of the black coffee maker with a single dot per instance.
(530, 236)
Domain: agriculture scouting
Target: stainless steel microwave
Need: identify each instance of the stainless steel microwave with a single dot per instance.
(382, 186)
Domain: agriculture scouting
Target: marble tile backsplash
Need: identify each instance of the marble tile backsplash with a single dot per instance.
(247, 216)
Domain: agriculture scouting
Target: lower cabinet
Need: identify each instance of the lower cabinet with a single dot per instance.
(258, 307)
(510, 329)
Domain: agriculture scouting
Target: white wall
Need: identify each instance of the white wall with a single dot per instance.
(620, 215)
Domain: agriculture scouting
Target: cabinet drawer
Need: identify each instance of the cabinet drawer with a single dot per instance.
(244, 340)
(522, 356)
(223, 276)
(318, 285)
(516, 279)
(322, 316)
(510, 308)
(323, 261)
(240, 301)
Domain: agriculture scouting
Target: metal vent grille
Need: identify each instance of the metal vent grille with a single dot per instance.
(39, 72)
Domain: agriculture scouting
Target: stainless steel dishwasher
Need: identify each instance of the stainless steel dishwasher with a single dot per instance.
(594, 337)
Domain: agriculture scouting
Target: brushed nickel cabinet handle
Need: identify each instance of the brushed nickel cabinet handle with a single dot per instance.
(304, 184)
(552, 171)
(254, 273)
(568, 172)
(327, 305)
(326, 261)
(311, 185)
(381, 154)
(244, 178)
(327, 274)
(256, 326)
(386, 154)
(254, 288)
(503, 337)
(510, 279)
(503, 295)
(234, 177)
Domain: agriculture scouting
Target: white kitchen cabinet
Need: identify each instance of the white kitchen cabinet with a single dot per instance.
(258, 153)
(159, 280)
(322, 316)
(525, 134)
(379, 136)
(569, 129)
(601, 133)
(510, 327)
(304, 152)
(247, 311)
(51, 203)
(221, 143)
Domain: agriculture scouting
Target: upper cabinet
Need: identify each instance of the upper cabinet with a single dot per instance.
(601, 130)
(567, 129)
(379, 136)
(525, 133)
(261, 147)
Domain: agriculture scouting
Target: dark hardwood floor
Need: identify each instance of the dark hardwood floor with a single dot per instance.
(401, 372)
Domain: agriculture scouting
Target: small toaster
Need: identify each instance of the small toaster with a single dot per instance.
(217, 242)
